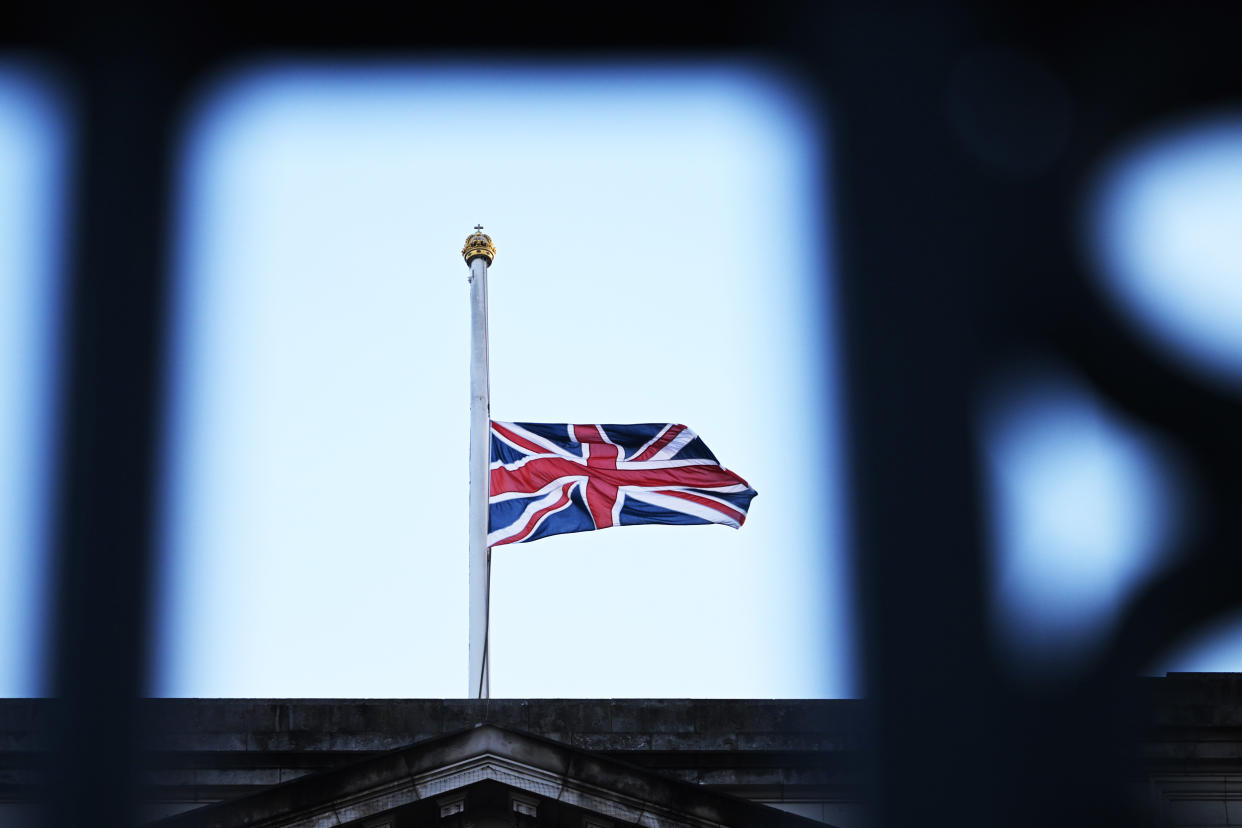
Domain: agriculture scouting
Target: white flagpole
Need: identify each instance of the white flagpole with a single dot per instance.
(479, 253)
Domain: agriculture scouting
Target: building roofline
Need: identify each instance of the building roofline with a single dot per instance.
(435, 767)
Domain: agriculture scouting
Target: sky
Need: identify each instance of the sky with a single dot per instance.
(316, 542)
(660, 259)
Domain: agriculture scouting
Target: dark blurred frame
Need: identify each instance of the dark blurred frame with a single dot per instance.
(949, 272)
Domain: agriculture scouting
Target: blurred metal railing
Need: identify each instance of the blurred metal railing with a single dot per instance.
(947, 271)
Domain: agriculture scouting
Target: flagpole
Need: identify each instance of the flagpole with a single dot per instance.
(479, 253)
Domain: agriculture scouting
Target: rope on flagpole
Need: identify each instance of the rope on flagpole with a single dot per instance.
(484, 689)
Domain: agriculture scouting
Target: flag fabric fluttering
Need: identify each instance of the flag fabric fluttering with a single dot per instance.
(552, 478)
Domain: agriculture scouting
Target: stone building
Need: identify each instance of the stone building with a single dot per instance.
(400, 763)
(457, 763)
(1192, 750)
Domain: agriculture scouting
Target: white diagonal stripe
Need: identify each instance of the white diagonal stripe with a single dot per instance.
(689, 507)
(678, 443)
(534, 438)
(529, 512)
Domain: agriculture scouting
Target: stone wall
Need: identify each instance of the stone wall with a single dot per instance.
(804, 756)
(800, 755)
(1193, 749)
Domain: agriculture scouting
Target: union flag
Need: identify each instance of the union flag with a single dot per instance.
(552, 478)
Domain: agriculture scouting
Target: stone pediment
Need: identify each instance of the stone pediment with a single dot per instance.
(484, 776)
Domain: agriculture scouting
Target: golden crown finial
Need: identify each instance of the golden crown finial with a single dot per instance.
(478, 245)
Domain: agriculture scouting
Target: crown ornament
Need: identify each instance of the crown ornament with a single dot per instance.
(478, 245)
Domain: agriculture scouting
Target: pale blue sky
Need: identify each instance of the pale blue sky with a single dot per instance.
(659, 259)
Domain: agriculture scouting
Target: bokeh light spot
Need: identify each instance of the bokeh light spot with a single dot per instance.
(1082, 507)
(32, 143)
(1166, 235)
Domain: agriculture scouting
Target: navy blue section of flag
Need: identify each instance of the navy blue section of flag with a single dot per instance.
(552, 478)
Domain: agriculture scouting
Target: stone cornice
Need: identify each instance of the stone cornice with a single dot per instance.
(520, 761)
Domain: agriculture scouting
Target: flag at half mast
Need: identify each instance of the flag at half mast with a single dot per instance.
(552, 478)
